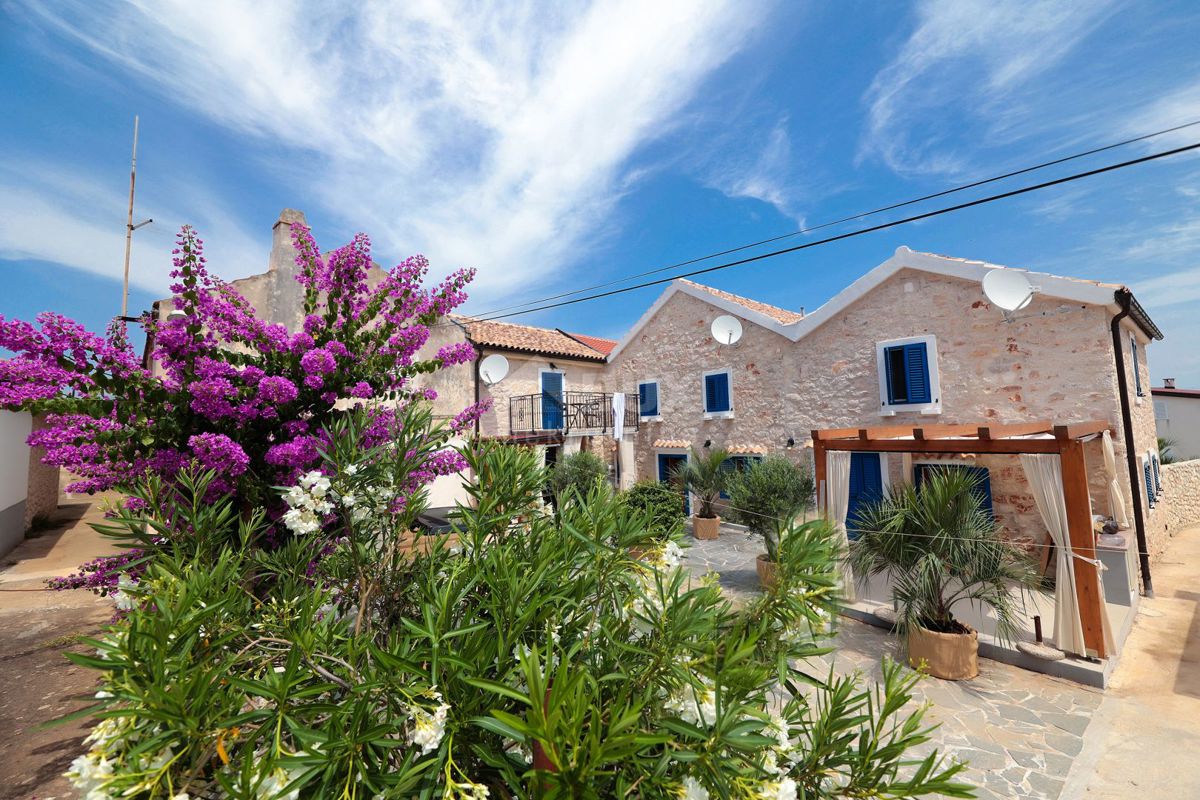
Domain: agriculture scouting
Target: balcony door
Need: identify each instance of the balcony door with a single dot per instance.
(552, 400)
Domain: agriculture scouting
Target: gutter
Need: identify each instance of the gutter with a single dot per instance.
(1125, 300)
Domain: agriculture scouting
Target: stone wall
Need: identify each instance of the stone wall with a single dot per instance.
(42, 499)
(1177, 508)
(1055, 363)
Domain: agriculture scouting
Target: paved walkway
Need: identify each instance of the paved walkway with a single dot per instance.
(36, 628)
(1018, 730)
(1146, 734)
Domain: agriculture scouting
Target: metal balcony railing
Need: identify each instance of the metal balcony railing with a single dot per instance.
(568, 412)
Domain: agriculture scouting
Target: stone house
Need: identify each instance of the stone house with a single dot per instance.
(913, 342)
(1177, 414)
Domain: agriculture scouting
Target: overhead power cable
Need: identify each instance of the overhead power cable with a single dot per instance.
(852, 218)
(872, 229)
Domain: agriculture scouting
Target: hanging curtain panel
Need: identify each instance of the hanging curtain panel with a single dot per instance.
(1116, 500)
(837, 491)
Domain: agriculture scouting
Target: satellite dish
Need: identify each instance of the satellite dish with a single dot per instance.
(726, 329)
(493, 369)
(1008, 289)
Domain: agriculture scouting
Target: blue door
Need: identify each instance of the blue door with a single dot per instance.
(983, 484)
(552, 401)
(667, 464)
(866, 486)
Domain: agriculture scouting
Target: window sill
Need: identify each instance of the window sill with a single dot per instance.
(651, 419)
(718, 415)
(925, 409)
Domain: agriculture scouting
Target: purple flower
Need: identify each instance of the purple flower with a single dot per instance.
(277, 390)
(217, 451)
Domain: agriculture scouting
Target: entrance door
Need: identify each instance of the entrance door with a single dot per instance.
(667, 464)
(552, 401)
(866, 486)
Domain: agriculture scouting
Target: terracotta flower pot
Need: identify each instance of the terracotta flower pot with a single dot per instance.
(950, 656)
(706, 527)
(768, 570)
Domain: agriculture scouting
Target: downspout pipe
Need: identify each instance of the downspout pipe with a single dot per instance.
(1124, 299)
(478, 358)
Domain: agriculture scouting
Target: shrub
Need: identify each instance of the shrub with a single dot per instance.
(575, 475)
(766, 496)
(660, 501)
(536, 659)
(941, 547)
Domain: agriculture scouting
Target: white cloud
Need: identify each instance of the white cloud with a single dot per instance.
(78, 220)
(489, 135)
(1179, 106)
(766, 175)
(969, 65)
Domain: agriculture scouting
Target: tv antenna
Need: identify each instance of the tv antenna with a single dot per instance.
(129, 226)
(1008, 290)
(493, 369)
(727, 329)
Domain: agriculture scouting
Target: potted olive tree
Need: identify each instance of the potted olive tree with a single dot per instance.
(766, 497)
(940, 547)
(704, 477)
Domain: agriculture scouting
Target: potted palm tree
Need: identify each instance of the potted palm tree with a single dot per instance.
(941, 547)
(703, 476)
(767, 497)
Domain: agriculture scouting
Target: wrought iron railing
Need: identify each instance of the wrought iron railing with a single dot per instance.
(568, 412)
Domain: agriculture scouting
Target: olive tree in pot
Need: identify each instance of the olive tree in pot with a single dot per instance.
(704, 477)
(766, 497)
(940, 547)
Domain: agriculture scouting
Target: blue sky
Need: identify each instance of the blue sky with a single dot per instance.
(567, 144)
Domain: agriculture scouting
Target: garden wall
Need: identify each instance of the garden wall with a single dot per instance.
(1177, 508)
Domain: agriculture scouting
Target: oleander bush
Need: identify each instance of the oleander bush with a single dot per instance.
(529, 656)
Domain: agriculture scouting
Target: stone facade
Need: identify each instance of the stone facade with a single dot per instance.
(1054, 362)
(1177, 508)
(42, 498)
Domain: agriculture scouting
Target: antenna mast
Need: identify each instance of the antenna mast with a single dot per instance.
(129, 221)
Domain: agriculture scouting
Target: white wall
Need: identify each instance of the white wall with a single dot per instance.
(1178, 419)
(14, 457)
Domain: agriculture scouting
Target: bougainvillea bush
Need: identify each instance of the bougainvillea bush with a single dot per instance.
(531, 656)
(248, 399)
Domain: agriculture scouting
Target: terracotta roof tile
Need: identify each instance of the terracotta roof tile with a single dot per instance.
(774, 312)
(674, 444)
(747, 449)
(526, 338)
(605, 346)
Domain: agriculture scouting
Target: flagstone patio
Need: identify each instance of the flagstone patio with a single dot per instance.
(1018, 730)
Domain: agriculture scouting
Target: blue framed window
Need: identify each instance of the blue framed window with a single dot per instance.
(718, 398)
(1148, 475)
(906, 369)
(1137, 372)
(648, 399)
(738, 463)
(1157, 474)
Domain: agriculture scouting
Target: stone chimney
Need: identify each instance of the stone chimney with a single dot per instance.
(285, 295)
(1168, 383)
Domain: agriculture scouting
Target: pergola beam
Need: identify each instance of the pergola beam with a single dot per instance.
(952, 446)
(1078, 430)
(1009, 430)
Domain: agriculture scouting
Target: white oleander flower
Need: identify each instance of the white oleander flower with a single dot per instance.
(779, 790)
(694, 705)
(352, 470)
(778, 727)
(89, 773)
(428, 729)
(272, 786)
(671, 556)
(692, 789)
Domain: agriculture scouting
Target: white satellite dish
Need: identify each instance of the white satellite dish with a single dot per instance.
(493, 369)
(726, 329)
(1008, 289)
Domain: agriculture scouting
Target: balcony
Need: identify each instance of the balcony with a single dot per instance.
(568, 412)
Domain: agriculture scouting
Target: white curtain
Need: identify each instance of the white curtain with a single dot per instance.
(618, 410)
(837, 505)
(1116, 501)
(1044, 473)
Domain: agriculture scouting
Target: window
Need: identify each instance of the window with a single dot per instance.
(908, 379)
(648, 399)
(718, 399)
(737, 464)
(1137, 372)
(1154, 468)
(1148, 477)
(1160, 411)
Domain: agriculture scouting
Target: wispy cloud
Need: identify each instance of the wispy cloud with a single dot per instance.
(767, 174)
(967, 66)
(491, 135)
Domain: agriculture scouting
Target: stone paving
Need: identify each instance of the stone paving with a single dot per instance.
(1018, 730)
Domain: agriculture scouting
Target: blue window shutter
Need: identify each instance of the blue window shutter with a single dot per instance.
(723, 392)
(1149, 483)
(916, 370)
(716, 392)
(1157, 475)
(1137, 372)
(648, 399)
(710, 392)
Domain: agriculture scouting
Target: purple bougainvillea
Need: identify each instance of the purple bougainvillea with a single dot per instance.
(229, 391)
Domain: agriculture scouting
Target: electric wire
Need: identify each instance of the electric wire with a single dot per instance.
(852, 218)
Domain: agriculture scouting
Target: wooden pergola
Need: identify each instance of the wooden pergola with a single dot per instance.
(1065, 441)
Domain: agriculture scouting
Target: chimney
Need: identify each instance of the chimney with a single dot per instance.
(1168, 383)
(283, 254)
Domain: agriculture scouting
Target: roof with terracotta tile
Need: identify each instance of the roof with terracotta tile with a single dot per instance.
(528, 339)
(605, 346)
(774, 312)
